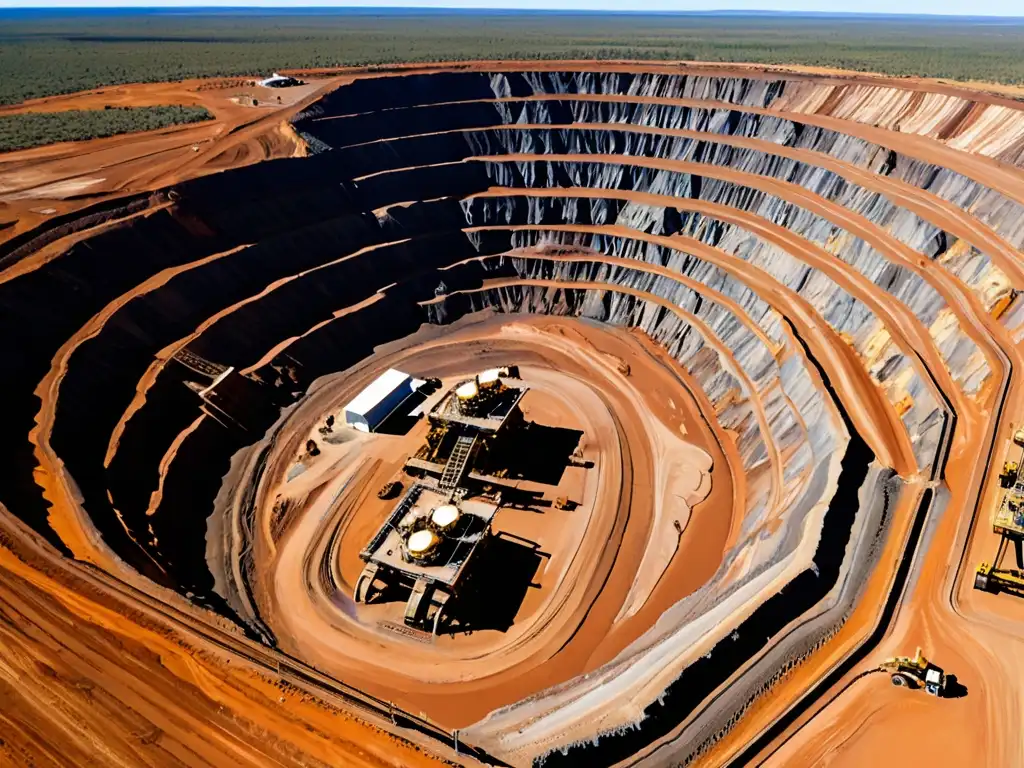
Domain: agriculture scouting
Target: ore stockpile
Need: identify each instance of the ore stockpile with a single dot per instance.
(778, 238)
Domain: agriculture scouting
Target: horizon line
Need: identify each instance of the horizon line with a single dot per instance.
(441, 9)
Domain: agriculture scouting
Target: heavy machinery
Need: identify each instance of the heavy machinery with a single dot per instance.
(990, 578)
(1008, 476)
(1008, 523)
(916, 672)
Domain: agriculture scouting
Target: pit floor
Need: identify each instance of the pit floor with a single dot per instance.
(509, 574)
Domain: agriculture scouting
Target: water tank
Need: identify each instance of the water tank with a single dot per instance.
(422, 544)
(467, 391)
(489, 379)
(445, 517)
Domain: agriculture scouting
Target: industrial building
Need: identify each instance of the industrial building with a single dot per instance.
(279, 81)
(440, 524)
(230, 398)
(369, 409)
(469, 419)
(426, 543)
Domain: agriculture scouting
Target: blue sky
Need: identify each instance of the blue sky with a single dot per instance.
(946, 7)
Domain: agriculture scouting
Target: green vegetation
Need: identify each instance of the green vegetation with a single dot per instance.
(36, 128)
(49, 52)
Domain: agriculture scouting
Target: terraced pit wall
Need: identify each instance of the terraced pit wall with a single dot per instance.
(751, 226)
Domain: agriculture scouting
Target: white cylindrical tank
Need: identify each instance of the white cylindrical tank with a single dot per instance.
(422, 543)
(489, 379)
(445, 517)
(467, 391)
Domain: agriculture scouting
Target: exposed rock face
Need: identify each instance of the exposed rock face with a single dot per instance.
(794, 245)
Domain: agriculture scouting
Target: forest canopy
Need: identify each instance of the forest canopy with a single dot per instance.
(47, 52)
(32, 129)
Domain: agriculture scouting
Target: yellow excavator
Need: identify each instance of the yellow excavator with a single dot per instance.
(916, 672)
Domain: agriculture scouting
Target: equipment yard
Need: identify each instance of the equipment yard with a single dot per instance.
(519, 413)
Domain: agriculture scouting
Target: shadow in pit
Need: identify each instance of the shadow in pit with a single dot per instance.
(400, 421)
(497, 587)
(391, 592)
(526, 500)
(537, 453)
(954, 688)
(397, 424)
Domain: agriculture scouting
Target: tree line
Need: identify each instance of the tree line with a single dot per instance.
(32, 129)
(44, 54)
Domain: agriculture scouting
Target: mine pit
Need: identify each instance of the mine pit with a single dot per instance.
(571, 414)
(513, 586)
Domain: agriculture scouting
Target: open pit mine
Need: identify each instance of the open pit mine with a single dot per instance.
(562, 414)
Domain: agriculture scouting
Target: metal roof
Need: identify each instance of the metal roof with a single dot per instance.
(377, 390)
(276, 78)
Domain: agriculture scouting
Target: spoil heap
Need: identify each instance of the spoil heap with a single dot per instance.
(831, 266)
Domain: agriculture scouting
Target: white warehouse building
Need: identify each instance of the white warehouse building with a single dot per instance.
(379, 399)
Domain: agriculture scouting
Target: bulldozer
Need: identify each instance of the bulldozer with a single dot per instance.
(916, 672)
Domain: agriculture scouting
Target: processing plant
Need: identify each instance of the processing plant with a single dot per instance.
(437, 526)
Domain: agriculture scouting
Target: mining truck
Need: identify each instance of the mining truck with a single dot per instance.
(917, 672)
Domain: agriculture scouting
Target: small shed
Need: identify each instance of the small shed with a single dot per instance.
(379, 399)
(279, 81)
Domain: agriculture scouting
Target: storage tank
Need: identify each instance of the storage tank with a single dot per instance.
(422, 544)
(445, 517)
(409, 519)
(489, 379)
(467, 391)
(466, 396)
